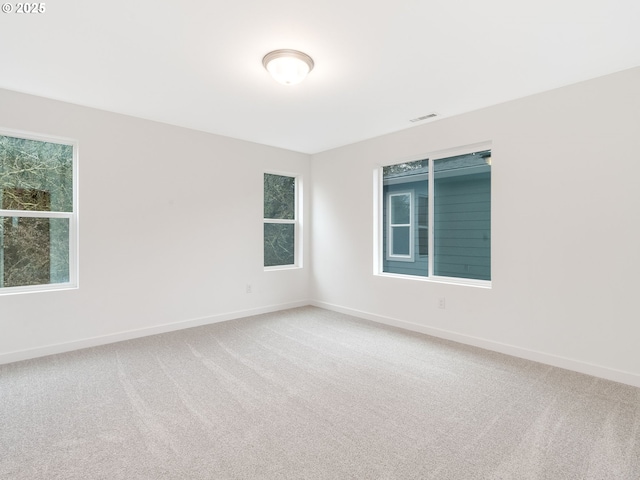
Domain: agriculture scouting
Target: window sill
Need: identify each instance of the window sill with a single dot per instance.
(282, 267)
(37, 289)
(465, 282)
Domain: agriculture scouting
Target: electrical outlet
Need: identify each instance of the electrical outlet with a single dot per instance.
(442, 303)
(248, 288)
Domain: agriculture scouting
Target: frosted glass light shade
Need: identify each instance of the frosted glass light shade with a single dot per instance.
(288, 66)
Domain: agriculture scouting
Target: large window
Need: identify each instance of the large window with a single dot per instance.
(280, 220)
(37, 214)
(436, 217)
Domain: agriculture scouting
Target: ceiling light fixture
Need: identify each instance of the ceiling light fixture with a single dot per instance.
(288, 66)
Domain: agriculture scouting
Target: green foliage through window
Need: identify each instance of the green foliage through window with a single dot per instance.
(279, 197)
(36, 177)
(279, 220)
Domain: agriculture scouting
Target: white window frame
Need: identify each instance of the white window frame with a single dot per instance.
(379, 225)
(71, 216)
(390, 226)
(296, 222)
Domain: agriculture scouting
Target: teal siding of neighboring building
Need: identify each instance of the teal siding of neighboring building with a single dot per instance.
(462, 227)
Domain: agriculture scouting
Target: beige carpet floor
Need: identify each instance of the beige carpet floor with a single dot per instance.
(309, 394)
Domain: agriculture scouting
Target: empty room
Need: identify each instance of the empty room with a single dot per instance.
(320, 240)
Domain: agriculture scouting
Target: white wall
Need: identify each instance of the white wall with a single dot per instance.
(170, 231)
(565, 230)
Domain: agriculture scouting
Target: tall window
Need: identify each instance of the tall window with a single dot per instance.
(37, 214)
(280, 220)
(438, 224)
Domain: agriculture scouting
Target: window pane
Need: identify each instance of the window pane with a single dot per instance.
(462, 216)
(35, 175)
(279, 244)
(402, 184)
(279, 197)
(400, 209)
(401, 240)
(33, 251)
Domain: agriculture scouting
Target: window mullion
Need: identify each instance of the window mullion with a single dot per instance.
(279, 220)
(34, 213)
(430, 217)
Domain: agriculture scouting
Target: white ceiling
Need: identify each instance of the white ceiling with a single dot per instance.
(378, 64)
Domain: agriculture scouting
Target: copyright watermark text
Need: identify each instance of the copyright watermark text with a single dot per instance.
(24, 8)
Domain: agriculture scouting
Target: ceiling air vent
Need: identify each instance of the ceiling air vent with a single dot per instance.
(424, 117)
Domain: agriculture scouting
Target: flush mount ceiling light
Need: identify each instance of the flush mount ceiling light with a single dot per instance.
(288, 66)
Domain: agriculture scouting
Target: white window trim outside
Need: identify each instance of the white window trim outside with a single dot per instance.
(379, 203)
(72, 216)
(296, 221)
(393, 256)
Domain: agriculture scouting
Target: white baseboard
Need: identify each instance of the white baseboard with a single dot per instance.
(620, 376)
(536, 356)
(20, 355)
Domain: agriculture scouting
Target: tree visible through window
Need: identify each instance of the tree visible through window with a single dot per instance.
(280, 220)
(36, 212)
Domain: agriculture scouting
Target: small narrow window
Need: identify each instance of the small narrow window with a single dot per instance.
(280, 220)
